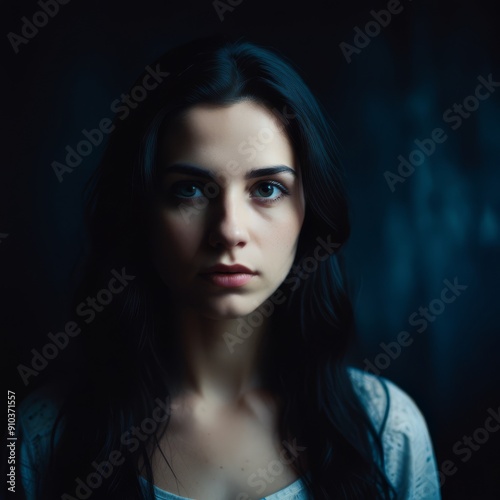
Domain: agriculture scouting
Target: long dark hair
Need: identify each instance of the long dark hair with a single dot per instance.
(126, 363)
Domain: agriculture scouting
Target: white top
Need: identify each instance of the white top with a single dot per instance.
(410, 463)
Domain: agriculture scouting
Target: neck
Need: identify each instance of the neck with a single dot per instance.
(217, 363)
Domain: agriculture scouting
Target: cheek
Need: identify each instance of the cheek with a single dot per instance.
(281, 243)
(174, 239)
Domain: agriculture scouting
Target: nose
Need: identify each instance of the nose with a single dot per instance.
(228, 228)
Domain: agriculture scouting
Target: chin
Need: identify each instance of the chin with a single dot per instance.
(216, 316)
(221, 308)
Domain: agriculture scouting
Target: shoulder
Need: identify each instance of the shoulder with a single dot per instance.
(38, 410)
(410, 462)
(36, 417)
(385, 402)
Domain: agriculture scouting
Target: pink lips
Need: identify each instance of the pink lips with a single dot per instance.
(228, 276)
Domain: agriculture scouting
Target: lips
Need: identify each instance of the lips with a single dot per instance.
(234, 269)
(224, 276)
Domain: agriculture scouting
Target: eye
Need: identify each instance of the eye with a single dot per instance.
(267, 191)
(271, 191)
(186, 190)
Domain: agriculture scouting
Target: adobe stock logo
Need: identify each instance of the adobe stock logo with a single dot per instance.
(455, 116)
(465, 447)
(298, 273)
(259, 479)
(248, 149)
(60, 340)
(131, 440)
(221, 7)
(421, 318)
(30, 28)
(122, 107)
(362, 38)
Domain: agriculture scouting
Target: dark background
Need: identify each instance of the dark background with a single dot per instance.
(442, 222)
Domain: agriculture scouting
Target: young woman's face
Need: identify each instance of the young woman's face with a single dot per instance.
(242, 216)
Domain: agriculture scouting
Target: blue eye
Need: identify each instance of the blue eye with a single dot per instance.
(186, 190)
(270, 188)
(270, 191)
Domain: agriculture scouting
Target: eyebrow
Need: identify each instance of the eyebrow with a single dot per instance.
(185, 168)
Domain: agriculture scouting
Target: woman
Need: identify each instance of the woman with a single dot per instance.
(216, 369)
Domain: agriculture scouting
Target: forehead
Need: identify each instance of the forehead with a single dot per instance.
(245, 132)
